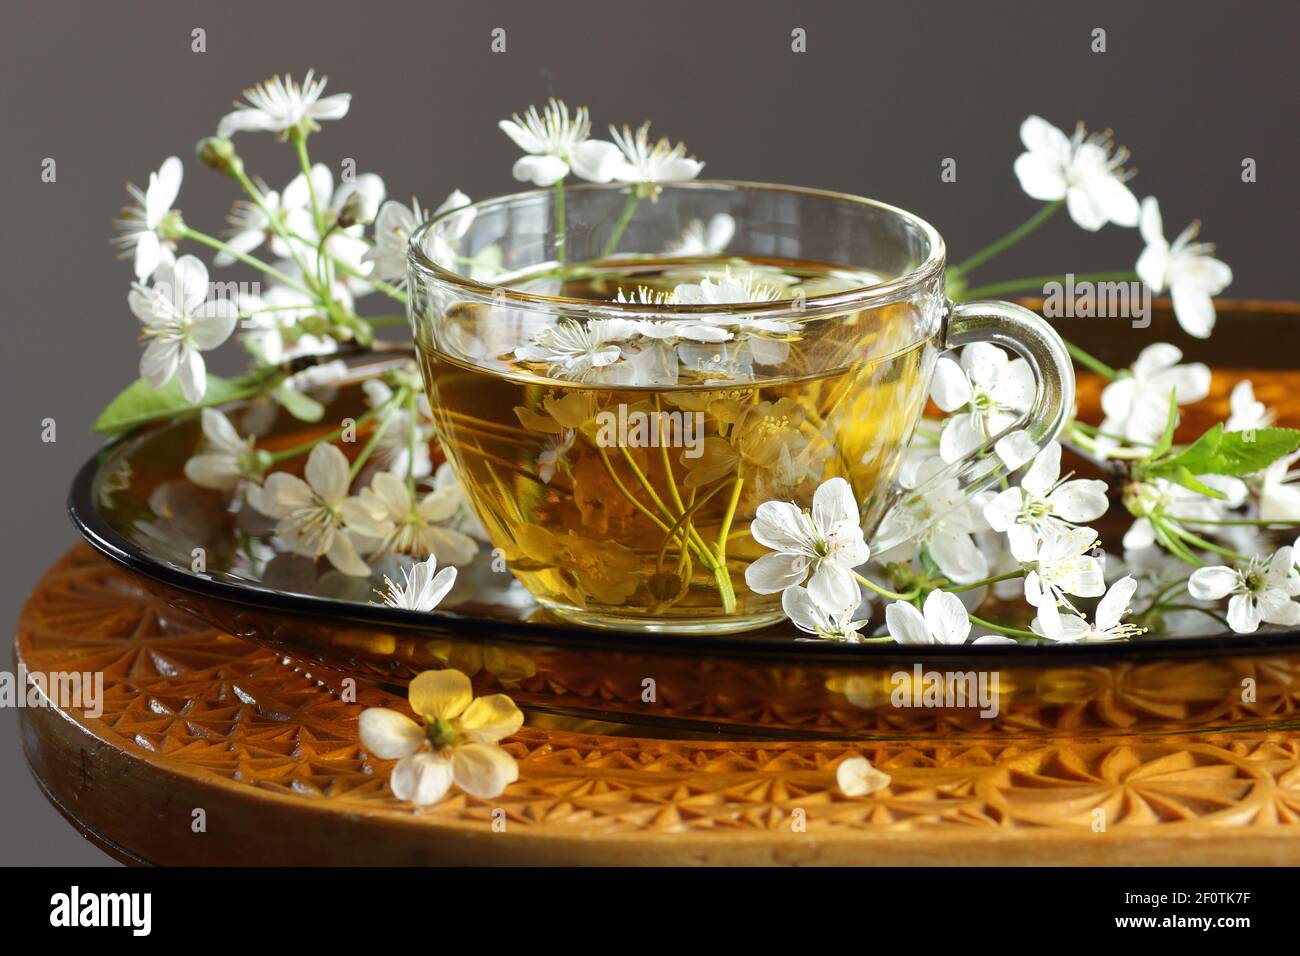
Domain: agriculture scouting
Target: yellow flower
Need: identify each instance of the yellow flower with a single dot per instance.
(457, 742)
(601, 570)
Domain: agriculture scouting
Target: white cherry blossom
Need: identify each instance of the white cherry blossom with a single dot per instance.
(1044, 502)
(310, 514)
(646, 164)
(1186, 268)
(421, 589)
(180, 323)
(944, 621)
(1084, 170)
(698, 239)
(389, 514)
(984, 394)
(148, 227)
(812, 618)
(1279, 490)
(225, 459)
(1108, 620)
(393, 228)
(1258, 592)
(280, 105)
(557, 143)
(1136, 405)
(825, 544)
(1245, 412)
(1164, 500)
(942, 518)
(1061, 565)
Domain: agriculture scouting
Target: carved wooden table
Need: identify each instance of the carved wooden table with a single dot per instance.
(194, 719)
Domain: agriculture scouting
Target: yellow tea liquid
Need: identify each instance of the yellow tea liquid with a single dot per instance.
(621, 494)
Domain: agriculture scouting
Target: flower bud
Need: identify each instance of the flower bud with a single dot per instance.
(217, 152)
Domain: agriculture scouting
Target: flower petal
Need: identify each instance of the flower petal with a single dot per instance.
(483, 770)
(857, 778)
(488, 719)
(389, 735)
(444, 694)
(906, 625)
(327, 473)
(776, 572)
(1081, 500)
(421, 778)
(946, 618)
(1213, 583)
(949, 387)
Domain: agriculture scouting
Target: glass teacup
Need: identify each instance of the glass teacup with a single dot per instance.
(621, 377)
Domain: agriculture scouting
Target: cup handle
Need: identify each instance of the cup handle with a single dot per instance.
(1033, 339)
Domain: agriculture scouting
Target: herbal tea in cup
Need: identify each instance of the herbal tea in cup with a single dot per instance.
(617, 418)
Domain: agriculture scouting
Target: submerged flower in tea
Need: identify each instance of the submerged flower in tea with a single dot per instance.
(572, 348)
(149, 228)
(422, 589)
(280, 105)
(556, 143)
(1186, 268)
(454, 743)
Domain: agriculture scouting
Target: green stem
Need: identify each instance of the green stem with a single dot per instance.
(214, 243)
(1205, 545)
(624, 218)
(300, 145)
(412, 412)
(1018, 573)
(276, 223)
(1010, 239)
(1088, 361)
(296, 450)
(394, 404)
(1005, 631)
(388, 289)
(883, 592)
(1253, 522)
(720, 573)
(1038, 283)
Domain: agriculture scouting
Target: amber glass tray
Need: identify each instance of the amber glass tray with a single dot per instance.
(134, 506)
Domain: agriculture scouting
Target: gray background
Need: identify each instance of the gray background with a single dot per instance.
(884, 93)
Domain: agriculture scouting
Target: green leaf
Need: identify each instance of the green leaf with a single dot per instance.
(300, 406)
(1185, 478)
(1167, 439)
(1231, 453)
(140, 403)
